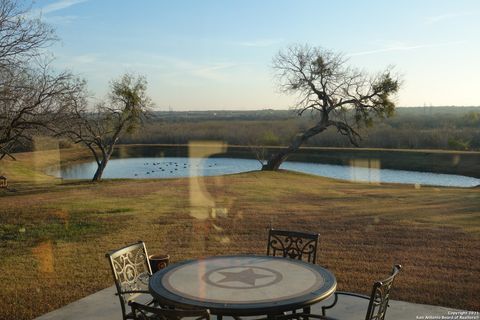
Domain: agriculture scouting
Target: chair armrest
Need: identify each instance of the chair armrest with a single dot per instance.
(353, 294)
(344, 293)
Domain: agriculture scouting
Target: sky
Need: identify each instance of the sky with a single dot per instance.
(217, 54)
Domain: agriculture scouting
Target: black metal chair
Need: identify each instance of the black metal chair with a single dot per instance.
(293, 244)
(131, 273)
(143, 312)
(377, 307)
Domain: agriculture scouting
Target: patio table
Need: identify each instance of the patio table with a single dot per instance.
(242, 285)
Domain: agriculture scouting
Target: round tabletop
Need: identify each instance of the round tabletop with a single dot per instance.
(243, 285)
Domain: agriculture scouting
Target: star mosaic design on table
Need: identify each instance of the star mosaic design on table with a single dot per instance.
(247, 276)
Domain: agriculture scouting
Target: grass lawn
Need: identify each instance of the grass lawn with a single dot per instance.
(54, 234)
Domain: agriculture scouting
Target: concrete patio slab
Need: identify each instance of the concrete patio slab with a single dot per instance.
(104, 305)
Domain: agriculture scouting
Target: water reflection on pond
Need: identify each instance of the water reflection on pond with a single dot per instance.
(175, 167)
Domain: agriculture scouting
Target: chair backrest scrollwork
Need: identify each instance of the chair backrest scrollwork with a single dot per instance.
(380, 296)
(293, 244)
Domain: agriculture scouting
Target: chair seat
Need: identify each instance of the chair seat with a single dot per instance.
(144, 312)
(144, 298)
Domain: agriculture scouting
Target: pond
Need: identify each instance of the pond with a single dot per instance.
(175, 167)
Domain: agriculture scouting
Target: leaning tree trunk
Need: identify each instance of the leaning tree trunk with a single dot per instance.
(106, 155)
(277, 159)
(100, 168)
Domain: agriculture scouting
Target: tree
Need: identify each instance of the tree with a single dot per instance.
(33, 101)
(101, 128)
(337, 95)
(21, 36)
(32, 96)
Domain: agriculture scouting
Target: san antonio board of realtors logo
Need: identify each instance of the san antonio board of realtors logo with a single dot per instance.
(246, 277)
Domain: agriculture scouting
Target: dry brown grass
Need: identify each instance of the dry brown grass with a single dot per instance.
(55, 235)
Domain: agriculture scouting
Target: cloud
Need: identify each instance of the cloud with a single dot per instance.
(60, 5)
(61, 19)
(173, 68)
(176, 67)
(447, 16)
(403, 47)
(257, 43)
(212, 71)
(86, 58)
(53, 7)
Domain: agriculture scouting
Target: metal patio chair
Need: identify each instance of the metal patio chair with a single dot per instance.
(377, 306)
(143, 312)
(378, 300)
(131, 273)
(293, 244)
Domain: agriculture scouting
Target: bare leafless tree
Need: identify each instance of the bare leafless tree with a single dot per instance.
(34, 100)
(101, 128)
(32, 96)
(337, 95)
(22, 35)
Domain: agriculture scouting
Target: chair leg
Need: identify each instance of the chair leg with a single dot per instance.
(330, 306)
(307, 311)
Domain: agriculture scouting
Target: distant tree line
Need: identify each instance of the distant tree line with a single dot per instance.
(454, 128)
